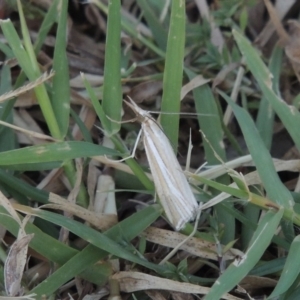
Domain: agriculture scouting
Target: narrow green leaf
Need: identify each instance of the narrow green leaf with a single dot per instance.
(131, 28)
(16, 45)
(210, 124)
(97, 106)
(29, 65)
(6, 134)
(76, 262)
(112, 93)
(268, 267)
(252, 214)
(53, 152)
(289, 214)
(221, 187)
(294, 295)
(76, 266)
(265, 117)
(27, 43)
(61, 87)
(6, 50)
(91, 254)
(84, 130)
(289, 115)
(58, 252)
(290, 271)
(241, 267)
(159, 33)
(101, 241)
(23, 187)
(276, 190)
(48, 21)
(172, 81)
(40, 166)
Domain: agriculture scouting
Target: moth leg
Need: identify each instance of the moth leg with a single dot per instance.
(132, 155)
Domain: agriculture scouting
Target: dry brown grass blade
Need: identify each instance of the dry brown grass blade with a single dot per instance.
(29, 132)
(100, 221)
(9, 207)
(27, 87)
(291, 40)
(16, 261)
(264, 36)
(216, 35)
(64, 232)
(14, 265)
(223, 73)
(94, 80)
(194, 83)
(194, 246)
(277, 22)
(116, 165)
(22, 118)
(293, 45)
(105, 201)
(136, 281)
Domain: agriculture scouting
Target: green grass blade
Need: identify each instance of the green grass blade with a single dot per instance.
(212, 128)
(269, 267)
(294, 295)
(6, 50)
(53, 152)
(97, 106)
(46, 25)
(33, 73)
(58, 252)
(70, 258)
(276, 190)
(16, 45)
(252, 214)
(221, 187)
(30, 67)
(48, 21)
(61, 87)
(27, 43)
(6, 134)
(102, 241)
(265, 124)
(40, 166)
(265, 117)
(112, 94)
(289, 214)
(289, 115)
(130, 28)
(23, 187)
(83, 129)
(240, 268)
(210, 124)
(91, 254)
(76, 266)
(290, 271)
(159, 33)
(172, 81)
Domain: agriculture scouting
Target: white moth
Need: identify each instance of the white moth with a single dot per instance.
(171, 185)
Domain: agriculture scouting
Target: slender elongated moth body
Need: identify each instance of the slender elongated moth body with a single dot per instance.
(171, 185)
